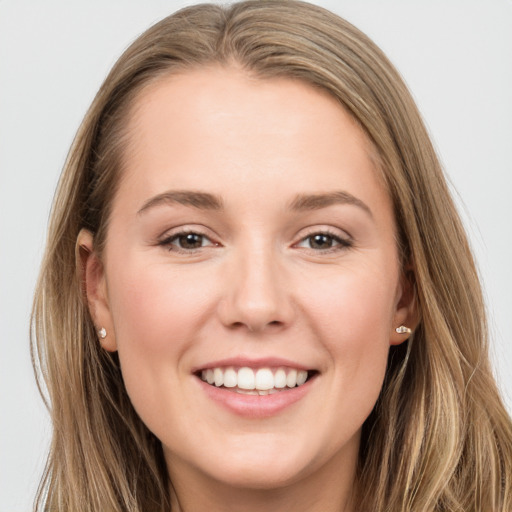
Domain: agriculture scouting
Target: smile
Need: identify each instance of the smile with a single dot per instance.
(255, 381)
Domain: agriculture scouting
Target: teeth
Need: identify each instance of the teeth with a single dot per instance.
(218, 375)
(246, 378)
(291, 378)
(301, 377)
(280, 379)
(263, 381)
(246, 391)
(230, 378)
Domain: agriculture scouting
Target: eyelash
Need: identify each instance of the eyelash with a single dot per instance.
(342, 243)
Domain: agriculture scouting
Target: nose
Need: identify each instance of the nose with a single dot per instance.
(256, 293)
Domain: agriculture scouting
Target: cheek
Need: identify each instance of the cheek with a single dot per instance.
(155, 309)
(156, 313)
(352, 302)
(352, 313)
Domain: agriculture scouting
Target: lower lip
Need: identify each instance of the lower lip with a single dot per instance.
(256, 406)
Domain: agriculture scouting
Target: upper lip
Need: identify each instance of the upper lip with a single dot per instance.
(260, 362)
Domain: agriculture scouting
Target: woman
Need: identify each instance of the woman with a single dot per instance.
(257, 293)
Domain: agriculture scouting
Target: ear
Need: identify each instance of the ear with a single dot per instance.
(406, 307)
(92, 277)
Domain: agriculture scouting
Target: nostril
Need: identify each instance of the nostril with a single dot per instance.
(252, 327)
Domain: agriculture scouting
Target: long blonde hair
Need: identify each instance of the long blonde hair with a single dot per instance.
(438, 439)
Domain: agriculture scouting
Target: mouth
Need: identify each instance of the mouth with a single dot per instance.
(255, 381)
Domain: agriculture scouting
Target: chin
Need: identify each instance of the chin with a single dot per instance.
(261, 469)
(260, 477)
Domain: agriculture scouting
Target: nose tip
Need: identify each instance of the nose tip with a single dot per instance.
(256, 298)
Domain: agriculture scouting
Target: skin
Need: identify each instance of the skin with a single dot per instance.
(256, 286)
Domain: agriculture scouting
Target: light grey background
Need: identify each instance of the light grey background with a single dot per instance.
(456, 56)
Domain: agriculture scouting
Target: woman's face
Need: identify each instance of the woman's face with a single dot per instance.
(250, 241)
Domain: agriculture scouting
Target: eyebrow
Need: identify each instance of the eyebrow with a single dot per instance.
(304, 202)
(200, 200)
(207, 201)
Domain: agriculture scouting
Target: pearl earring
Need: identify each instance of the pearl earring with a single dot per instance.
(102, 333)
(403, 330)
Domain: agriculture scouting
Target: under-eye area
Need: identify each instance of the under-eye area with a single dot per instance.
(256, 381)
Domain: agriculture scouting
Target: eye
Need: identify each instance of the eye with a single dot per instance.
(186, 241)
(324, 241)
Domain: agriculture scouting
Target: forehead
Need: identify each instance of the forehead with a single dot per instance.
(212, 126)
(205, 97)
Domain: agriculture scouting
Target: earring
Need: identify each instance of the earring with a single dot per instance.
(403, 330)
(102, 333)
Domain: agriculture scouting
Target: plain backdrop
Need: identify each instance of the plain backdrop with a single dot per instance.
(455, 55)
